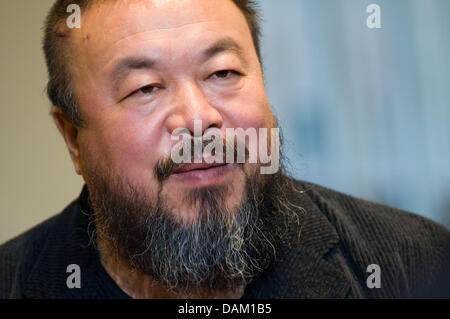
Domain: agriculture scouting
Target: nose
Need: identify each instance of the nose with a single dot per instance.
(191, 105)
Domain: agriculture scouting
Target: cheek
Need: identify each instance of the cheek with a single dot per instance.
(126, 146)
(250, 109)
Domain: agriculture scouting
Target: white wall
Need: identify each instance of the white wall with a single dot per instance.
(37, 178)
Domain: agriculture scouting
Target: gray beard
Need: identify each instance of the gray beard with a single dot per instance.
(220, 249)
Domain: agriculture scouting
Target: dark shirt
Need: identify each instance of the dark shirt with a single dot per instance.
(326, 255)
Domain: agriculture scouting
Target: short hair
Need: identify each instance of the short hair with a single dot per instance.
(55, 46)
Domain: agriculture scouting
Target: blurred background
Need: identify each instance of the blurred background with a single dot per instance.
(363, 111)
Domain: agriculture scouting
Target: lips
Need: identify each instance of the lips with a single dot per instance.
(201, 174)
(184, 168)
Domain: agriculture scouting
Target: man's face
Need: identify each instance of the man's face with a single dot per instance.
(146, 68)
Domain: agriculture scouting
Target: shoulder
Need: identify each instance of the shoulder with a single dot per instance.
(341, 207)
(19, 254)
(414, 250)
(365, 219)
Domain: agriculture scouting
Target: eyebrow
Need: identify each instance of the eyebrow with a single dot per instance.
(223, 45)
(126, 65)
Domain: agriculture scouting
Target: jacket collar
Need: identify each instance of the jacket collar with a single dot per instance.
(67, 243)
(301, 270)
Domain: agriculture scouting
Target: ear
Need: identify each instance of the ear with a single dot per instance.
(69, 132)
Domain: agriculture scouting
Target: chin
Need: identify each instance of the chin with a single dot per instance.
(193, 204)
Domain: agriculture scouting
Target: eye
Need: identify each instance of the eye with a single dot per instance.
(143, 91)
(146, 89)
(225, 74)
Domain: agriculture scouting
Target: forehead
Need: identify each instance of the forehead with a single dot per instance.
(113, 27)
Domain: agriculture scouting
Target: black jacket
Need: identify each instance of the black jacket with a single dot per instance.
(327, 257)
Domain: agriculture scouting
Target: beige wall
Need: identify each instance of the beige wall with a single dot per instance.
(37, 176)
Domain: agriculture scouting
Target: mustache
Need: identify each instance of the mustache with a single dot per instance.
(166, 166)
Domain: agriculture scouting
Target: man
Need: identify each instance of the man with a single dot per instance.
(124, 85)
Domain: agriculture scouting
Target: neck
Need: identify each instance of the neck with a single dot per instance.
(142, 286)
